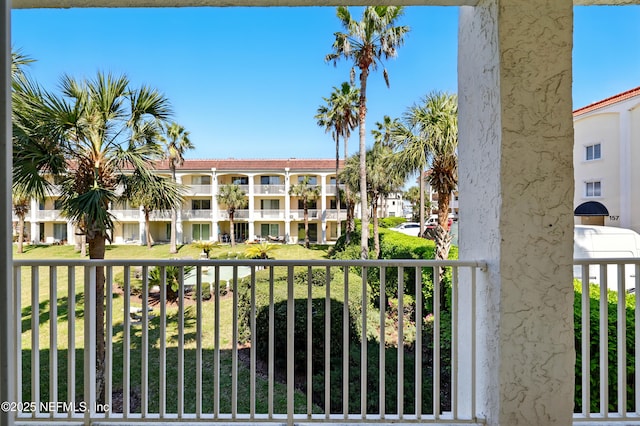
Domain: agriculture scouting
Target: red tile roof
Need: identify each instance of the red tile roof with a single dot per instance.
(608, 101)
(240, 165)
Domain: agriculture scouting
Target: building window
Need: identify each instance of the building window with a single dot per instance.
(60, 231)
(593, 152)
(272, 229)
(593, 189)
(200, 204)
(201, 180)
(270, 180)
(200, 231)
(313, 180)
(130, 231)
(311, 204)
(270, 204)
(240, 180)
(57, 204)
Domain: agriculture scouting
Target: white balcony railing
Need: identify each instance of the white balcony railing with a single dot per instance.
(250, 357)
(199, 189)
(196, 214)
(313, 214)
(269, 189)
(165, 362)
(44, 215)
(238, 214)
(332, 214)
(269, 214)
(129, 214)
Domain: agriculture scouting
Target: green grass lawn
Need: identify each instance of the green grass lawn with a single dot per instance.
(43, 303)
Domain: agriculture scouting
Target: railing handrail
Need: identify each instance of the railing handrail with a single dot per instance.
(250, 262)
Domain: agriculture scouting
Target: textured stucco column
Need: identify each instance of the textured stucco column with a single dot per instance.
(516, 192)
(7, 324)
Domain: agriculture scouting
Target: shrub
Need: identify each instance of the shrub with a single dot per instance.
(594, 348)
(318, 276)
(390, 222)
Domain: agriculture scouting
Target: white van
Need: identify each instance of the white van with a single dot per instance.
(606, 242)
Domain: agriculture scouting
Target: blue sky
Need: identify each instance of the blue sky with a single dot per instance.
(246, 82)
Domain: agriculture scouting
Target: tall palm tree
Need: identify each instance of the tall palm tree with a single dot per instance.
(88, 137)
(234, 198)
(428, 137)
(367, 43)
(339, 117)
(306, 193)
(20, 196)
(156, 194)
(20, 208)
(176, 142)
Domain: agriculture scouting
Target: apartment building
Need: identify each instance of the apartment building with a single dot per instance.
(270, 210)
(607, 145)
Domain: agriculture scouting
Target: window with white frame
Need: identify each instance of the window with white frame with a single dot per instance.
(272, 229)
(200, 204)
(201, 180)
(200, 231)
(593, 152)
(130, 231)
(270, 204)
(593, 189)
(60, 231)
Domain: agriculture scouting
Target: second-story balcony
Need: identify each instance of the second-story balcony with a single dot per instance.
(197, 214)
(199, 189)
(126, 214)
(274, 214)
(238, 214)
(269, 189)
(313, 214)
(48, 215)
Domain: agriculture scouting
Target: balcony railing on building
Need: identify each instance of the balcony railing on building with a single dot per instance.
(238, 214)
(269, 189)
(294, 341)
(199, 189)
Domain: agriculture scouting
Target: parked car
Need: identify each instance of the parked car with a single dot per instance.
(408, 228)
(606, 242)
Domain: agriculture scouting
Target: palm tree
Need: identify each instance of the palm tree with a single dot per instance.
(306, 193)
(413, 196)
(20, 208)
(339, 117)
(155, 194)
(234, 198)
(89, 137)
(20, 198)
(367, 43)
(383, 177)
(176, 142)
(428, 137)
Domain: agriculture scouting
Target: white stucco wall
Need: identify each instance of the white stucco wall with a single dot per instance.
(516, 176)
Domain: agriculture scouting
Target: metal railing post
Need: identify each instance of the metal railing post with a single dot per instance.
(89, 341)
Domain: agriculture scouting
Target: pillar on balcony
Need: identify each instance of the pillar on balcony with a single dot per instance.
(516, 191)
(7, 323)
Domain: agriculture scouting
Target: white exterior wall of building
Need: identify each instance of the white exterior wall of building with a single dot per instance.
(615, 126)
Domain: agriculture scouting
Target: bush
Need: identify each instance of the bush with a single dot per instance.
(318, 276)
(390, 222)
(300, 333)
(594, 348)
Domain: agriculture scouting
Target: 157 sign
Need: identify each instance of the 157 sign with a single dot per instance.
(614, 217)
